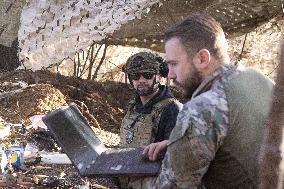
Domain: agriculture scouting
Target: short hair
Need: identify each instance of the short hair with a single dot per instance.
(200, 31)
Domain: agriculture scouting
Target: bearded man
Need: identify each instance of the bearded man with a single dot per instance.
(217, 138)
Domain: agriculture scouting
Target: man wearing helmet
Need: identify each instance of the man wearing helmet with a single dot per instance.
(151, 115)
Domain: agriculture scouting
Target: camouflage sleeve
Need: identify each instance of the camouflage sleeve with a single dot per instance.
(199, 132)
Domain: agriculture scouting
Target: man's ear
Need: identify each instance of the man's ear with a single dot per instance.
(203, 59)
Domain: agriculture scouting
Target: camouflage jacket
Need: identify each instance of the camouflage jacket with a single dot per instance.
(200, 130)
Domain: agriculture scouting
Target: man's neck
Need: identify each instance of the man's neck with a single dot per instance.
(145, 99)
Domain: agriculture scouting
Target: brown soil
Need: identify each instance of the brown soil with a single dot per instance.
(47, 91)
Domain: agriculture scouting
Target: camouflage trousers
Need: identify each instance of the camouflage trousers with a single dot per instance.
(141, 182)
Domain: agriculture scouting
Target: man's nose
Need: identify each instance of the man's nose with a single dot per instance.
(171, 74)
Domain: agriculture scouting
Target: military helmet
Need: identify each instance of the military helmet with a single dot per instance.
(146, 62)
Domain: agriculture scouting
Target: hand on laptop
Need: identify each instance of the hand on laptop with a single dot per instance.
(154, 151)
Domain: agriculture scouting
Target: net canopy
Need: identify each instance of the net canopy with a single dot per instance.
(53, 30)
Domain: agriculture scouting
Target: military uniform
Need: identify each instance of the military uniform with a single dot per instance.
(150, 123)
(153, 121)
(217, 137)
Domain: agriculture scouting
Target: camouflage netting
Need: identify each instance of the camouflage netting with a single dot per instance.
(236, 16)
(54, 30)
(257, 49)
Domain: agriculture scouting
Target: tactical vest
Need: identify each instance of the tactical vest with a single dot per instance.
(139, 129)
(236, 163)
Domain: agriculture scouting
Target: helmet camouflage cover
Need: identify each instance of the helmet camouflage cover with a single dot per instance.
(143, 62)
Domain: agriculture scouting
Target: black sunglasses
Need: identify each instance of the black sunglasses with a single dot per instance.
(146, 75)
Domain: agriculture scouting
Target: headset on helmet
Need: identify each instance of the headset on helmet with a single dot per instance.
(146, 62)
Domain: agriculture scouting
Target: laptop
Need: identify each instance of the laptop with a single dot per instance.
(88, 154)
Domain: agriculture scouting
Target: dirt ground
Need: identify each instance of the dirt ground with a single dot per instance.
(25, 94)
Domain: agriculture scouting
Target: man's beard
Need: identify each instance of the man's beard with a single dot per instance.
(148, 91)
(190, 84)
